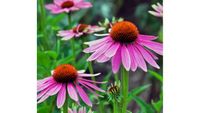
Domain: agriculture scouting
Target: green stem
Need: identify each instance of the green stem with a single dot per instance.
(72, 42)
(116, 77)
(43, 23)
(125, 83)
(101, 107)
(115, 106)
(65, 107)
(57, 45)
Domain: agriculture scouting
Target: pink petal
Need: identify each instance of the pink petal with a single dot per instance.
(66, 34)
(88, 75)
(139, 59)
(147, 56)
(61, 96)
(40, 82)
(126, 60)
(155, 46)
(99, 51)
(83, 95)
(154, 56)
(93, 48)
(105, 39)
(116, 61)
(147, 37)
(72, 92)
(54, 90)
(43, 98)
(133, 60)
(45, 85)
(112, 50)
(102, 59)
(91, 85)
(58, 2)
(92, 81)
(51, 7)
(90, 90)
(83, 5)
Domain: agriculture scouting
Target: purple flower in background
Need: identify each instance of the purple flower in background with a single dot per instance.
(125, 45)
(78, 31)
(60, 6)
(66, 79)
(158, 10)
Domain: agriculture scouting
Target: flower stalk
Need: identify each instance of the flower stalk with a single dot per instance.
(125, 82)
(43, 23)
(72, 42)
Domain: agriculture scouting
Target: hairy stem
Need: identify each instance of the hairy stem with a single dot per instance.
(125, 77)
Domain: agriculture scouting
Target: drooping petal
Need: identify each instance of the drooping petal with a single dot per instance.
(61, 96)
(112, 50)
(45, 85)
(126, 60)
(43, 98)
(43, 92)
(81, 71)
(83, 5)
(83, 95)
(90, 90)
(86, 80)
(102, 59)
(100, 51)
(58, 2)
(116, 61)
(147, 56)
(133, 59)
(93, 48)
(55, 90)
(105, 39)
(146, 37)
(91, 85)
(72, 92)
(155, 46)
(139, 59)
(88, 75)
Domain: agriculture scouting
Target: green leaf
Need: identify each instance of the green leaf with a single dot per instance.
(43, 59)
(43, 109)
(137, 91)
(158, 105)
(145, 108)
(156, 75)
(65, 60)
(51, 54)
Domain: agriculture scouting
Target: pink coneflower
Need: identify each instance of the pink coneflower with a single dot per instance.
(60, 6)
(124, 44)
(79, 30)
(158, 10)
(66, 77)
(80, 110)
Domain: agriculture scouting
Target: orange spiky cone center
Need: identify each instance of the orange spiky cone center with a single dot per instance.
(65, 73)
(124, 32)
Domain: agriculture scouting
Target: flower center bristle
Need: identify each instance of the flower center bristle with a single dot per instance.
(65, 73)
(80, 28)
(124, 32)
(67, 4)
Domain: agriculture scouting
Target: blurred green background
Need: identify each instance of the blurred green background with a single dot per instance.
(132, 10)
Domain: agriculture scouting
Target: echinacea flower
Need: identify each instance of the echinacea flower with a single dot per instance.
(66, 79)
(158, 10)
(80, 110)
(124, 44)
(60, 6)
(78, 31)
